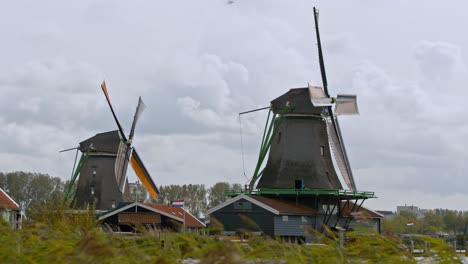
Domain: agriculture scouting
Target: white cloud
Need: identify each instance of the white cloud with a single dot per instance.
(206, 117)
(438, 60)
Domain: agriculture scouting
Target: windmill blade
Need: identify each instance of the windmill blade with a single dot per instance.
(334, 132)
(104, 89)
(125, 151)
(320, 53)
(140, 107)
(346, 104)
(143, 174)
(318, 97)
(341, 157)
(121, 165)
(345, 155)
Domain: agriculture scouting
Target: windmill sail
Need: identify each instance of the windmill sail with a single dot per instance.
(104, 89)
(341, 157)
(121, 164)
(318, 97)
(143, 174)
(320, 53)
(140, 107)
(123, 157)
(345, 104)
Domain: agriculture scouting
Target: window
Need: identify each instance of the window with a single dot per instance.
(304, 219)
(279, 138)
(322, 150)
(94, 170)
(285, 218)
(92, 190)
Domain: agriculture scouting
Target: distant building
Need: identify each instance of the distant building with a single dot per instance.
(10, 210)
(155, 216)
(412, 209)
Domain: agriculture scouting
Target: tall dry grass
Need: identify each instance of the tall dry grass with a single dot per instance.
(51, 235)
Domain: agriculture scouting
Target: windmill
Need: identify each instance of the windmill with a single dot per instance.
(101, 173)
(298, 183)
(297, 138)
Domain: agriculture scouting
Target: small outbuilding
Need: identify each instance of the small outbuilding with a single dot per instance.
(362, 219)
(152, 216)
(10, 211)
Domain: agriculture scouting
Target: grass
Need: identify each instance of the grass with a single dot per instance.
(52, 236)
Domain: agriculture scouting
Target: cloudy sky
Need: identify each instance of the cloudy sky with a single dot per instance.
(198, 63)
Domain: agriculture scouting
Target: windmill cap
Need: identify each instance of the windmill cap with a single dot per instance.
(298, 98)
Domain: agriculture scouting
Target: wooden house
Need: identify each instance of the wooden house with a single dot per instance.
(10, 211)
(286, 219)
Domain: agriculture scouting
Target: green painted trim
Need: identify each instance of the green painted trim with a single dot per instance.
(69, 193)
(266, 142)
(324, 192)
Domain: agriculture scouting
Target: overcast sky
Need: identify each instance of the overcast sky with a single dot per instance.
(196, 64)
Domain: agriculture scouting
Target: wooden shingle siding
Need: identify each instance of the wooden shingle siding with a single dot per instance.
(139, 218)
(293, 227)
(318, 222)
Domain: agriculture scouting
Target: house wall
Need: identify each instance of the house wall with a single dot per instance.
(11, 216)
(253, 218)
(295, 225)
(5, 215)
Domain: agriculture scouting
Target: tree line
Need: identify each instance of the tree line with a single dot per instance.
(436, 221)
(30, 190)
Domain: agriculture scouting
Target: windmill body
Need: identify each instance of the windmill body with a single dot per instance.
(300, 148)
(97, 185)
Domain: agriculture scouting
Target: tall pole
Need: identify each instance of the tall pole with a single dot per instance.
(184, 218)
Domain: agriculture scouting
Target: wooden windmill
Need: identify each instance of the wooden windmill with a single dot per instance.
(299, 138)
(298, 188)
(101, 174)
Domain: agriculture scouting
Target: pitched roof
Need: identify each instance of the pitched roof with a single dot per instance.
(190, 220)
(276, 206)
(166, 210)
(367, 212)
(284, 207)
(147, 207)
(6, 202)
